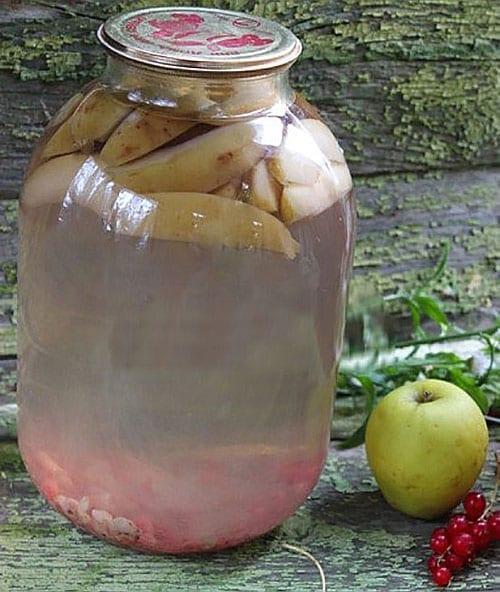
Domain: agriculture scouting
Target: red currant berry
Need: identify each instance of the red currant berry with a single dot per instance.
(442, 576)
(457, 524)
(432, 563)
(439, 541)
(474, 505)
(494, 524)
(453, 561)
(481, 534)
(463, 545)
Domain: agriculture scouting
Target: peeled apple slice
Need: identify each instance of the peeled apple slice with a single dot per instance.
(49, 182)
(140, 133)
(324, 139)
(264, 191)
(93, 121)
(205, 162)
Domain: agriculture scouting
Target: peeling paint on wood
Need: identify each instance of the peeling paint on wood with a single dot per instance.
(406, 88)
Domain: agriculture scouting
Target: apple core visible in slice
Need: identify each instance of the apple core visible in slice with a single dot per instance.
(140, 133)
(49, 182)
(205, 162)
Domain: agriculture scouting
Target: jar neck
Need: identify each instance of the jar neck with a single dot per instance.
(201, 98)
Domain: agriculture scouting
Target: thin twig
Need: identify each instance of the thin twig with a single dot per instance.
(305, 553)
(46, 112)
(441, 338)
(493, 498)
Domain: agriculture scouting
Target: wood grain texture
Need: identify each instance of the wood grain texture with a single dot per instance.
(407, 88)
(362, 544)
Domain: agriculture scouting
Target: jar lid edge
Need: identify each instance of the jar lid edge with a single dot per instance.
(199, 40)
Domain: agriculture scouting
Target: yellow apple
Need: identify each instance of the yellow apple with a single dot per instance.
(426, 443)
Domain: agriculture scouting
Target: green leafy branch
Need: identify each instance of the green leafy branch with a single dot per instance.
(380, 378)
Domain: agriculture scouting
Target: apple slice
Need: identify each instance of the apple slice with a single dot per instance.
(211, 220)
(301, 201)
(205, 162)
(230, 190)
(49, 182)
(265, 191)
(66, 110)
(341, 178)
(97, 117)
(139, 133)
(298, 160)
(324, 139)
(93, 121)
(201, 218)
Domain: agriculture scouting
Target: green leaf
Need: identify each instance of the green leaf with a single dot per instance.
(468, 384)
(368, 390)
(357, 438)
(432, 308)
(440, 267)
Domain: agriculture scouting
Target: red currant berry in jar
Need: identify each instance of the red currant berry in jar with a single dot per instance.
(439, 541)
(442, 576)
(453, 561)
(494, 524)
(474, 505)
(463, 545)
(481, 534)
(457, 524)
(432, 563)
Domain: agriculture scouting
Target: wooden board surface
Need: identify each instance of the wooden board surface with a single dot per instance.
(407, 87)
(411, 92)
(362, 544)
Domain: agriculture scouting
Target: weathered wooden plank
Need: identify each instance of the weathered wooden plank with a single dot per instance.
(407, 88)
(361, 543)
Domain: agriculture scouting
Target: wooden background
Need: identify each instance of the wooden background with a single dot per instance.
(412, 90)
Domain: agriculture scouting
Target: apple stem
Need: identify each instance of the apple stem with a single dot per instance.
(425, 397)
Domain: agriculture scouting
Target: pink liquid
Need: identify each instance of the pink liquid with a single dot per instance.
(175, 398)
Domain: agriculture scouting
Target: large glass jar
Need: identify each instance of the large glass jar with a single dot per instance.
(187, 227)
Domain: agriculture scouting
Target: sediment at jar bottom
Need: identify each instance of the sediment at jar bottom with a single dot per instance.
(195, 500)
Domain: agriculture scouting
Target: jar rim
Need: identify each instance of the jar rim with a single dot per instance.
(199, 40)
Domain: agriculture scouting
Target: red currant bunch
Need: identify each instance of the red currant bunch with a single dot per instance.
(464, 536)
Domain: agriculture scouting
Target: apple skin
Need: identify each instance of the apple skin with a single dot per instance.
(426, 456)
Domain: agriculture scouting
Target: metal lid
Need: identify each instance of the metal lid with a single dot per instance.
(199, 40)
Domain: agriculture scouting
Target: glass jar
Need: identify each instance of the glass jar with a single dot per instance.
(187, 226)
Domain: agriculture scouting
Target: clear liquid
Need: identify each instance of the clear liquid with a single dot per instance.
(173, 397)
